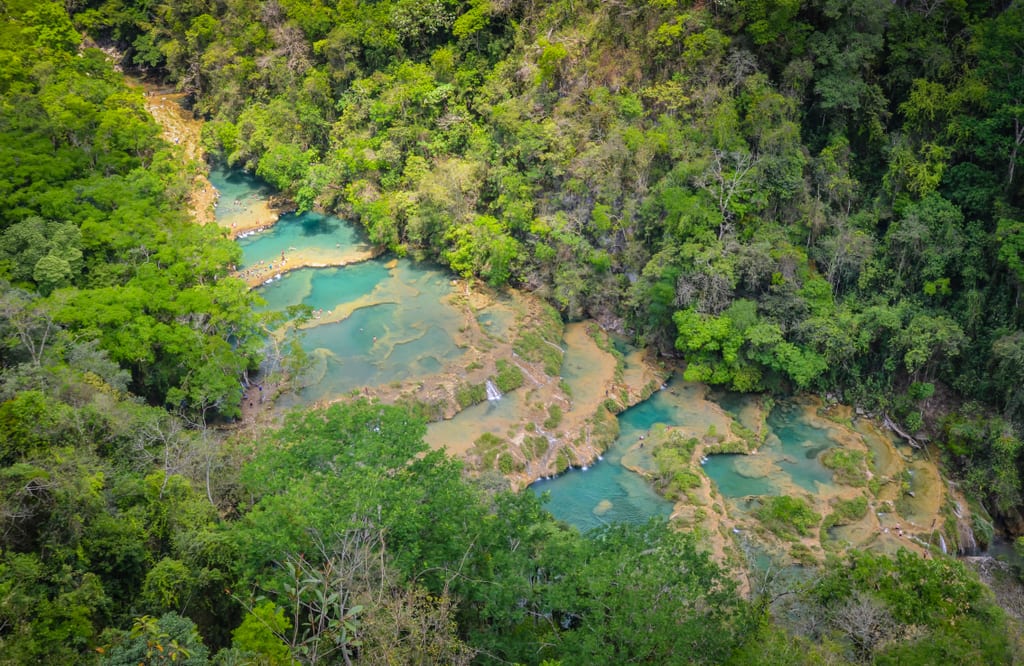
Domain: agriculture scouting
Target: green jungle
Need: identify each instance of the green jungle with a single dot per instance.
(778, 198)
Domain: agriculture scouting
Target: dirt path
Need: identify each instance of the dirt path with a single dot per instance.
(180, 128)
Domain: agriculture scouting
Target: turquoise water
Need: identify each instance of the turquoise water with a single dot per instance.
(312, 233)
(607, 492)
(801, 445)
(495, 322)
(723, 470)
(325, 288)
(399, 327)
(238, 190)
(390, 322)
(394, 324)
(789, 458)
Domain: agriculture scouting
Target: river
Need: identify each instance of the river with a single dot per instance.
(390, 326)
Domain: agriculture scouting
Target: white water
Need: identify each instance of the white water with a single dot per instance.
(968, 544)
(942, 544)
(492, 391)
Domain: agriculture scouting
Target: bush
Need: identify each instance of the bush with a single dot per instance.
(533, 347)
(554, 417)
(507, 464)
(509, 376)
(848, 467)
(803, 554)
(685, 479)
(490, 448)
(470, 394)
(787, 517)
(848, 511)
(534, 447)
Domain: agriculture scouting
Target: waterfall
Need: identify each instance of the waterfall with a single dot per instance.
(942, 544)
(967, 544)
(492, 391)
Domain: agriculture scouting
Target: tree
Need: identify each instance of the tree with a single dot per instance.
(261, 634)
(323, 470)
(47, 616)
(26, 324)
(872, 598)
(1008, 375)
(645, 594)
(728, 178)
(171, 639)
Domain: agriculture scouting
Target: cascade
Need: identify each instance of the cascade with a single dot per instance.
(942, 544)
(492, 391)
(968, 545)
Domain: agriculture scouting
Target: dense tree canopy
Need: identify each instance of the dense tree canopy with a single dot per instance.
(653, 160)
(788, 195)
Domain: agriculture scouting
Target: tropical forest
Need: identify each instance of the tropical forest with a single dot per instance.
(537, 332)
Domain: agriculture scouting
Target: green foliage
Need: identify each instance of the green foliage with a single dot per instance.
(470, 394)
(674, 457)
(46, 253)
(509, 378)
(29, 423)
(819, 196)
(168, 585)
(554, 418)
(541, 343)
(95, 221)
(788, 517)
(323, 470)
(930, 605)
(847, 511)
(52, 617)
(848, 467)
(626, 578)
(491, 449)
(483, 248)
(736, 349)
(987, 453)
(802, 554)
(534, 447)
(171, 639)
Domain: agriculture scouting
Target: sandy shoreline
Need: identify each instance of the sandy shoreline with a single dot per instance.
(252, 217)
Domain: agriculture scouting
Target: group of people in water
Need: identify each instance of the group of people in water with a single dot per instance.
(263, 269)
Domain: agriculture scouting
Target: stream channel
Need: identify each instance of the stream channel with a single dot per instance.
(379, 320)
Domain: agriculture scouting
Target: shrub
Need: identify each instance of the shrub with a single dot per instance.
(534, 447)
(509, 376)
(470, 394)
(847, 511)
(554, 417)
(787, 517)
(848, 467)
